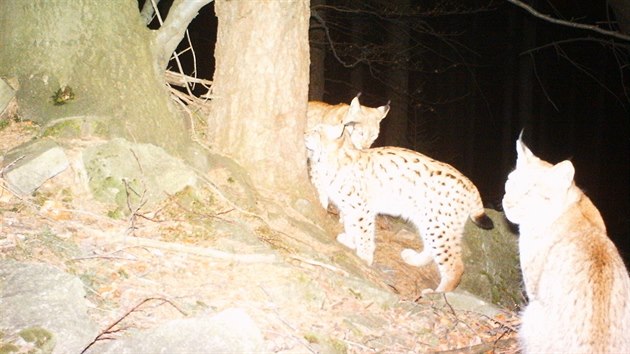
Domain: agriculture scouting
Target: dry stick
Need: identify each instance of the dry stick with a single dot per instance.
(180, 79)
(358, 345)
(108, 330)
(134, 212)
(205, 215)
(297, 338)
(320, 264)
(457, 317)
(501, 323)
(478, 348)
(196, 250)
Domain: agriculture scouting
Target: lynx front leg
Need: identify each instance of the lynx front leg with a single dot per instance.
(359, 232)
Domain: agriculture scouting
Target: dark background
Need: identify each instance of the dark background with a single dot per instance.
(465, 80)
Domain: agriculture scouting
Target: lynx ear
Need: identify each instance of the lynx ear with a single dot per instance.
(355, 106)
(523, 154)
(384, 110)
(562, 174)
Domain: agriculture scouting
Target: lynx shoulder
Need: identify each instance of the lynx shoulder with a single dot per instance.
(577, 284)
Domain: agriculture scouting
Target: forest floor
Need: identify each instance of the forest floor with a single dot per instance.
(300, 304)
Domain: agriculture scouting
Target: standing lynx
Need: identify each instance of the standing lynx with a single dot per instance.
(367, 126)
(576, 282)
(434, 196)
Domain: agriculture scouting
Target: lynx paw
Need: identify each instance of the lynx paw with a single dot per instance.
(346, 240)
(323, 200)
(428, 291)
(367, 256)
(416, 259)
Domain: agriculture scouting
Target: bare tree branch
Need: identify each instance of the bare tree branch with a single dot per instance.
(182, 12)
(148, 11)
(550, 19)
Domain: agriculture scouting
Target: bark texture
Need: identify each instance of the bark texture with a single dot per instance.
(103, 52)
(260, 89)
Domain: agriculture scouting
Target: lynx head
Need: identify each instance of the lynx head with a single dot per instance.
(537, 192)
(324, 138)
(367, 122)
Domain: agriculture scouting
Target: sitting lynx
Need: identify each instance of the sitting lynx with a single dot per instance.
(434, 196)
(367, 126)
(576, 282)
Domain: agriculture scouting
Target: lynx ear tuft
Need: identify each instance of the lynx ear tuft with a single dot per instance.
(523, 154)
(384, 109)
(355, 108)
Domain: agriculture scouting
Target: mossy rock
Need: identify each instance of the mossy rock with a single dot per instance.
(492, 263)
(134, 175)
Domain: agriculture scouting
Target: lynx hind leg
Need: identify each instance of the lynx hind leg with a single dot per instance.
(346, 240)
(417, 259)
(448, 256)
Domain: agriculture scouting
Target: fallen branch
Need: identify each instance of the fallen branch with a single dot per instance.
(109, 330)
(320, 264)
(181, 80)
(196, 250)
(479, 348)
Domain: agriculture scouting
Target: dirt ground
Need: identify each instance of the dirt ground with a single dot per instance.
(165, 256)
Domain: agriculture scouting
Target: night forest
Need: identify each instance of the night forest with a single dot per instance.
(465, 78)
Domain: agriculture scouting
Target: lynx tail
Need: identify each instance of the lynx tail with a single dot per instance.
(483, 221)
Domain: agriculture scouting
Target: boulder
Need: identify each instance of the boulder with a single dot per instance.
(43, 308)
(123, 172)
(28, 166)
(491, 258)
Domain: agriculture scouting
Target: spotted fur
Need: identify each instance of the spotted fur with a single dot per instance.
(431, 194)
(367, 126)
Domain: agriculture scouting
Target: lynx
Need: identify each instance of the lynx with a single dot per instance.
(366, 119)
(576, 282)
(434, 196)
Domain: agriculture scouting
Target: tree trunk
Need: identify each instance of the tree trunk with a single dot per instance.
(103, 52)
(260, 90)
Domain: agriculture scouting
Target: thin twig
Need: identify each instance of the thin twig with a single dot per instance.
(320, 264)
(582, 26)
(292, 328)
(542, 86)
(109, 330)
(196, 250)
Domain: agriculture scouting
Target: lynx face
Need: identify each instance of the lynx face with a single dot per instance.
(367, 120)
(536, 191)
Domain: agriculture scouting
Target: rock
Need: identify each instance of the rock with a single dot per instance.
(6, 95)
(231, 331)
(492, 268)
(29, 165)
(461, 300)
(44, 308)
(149, 172)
